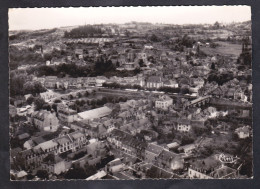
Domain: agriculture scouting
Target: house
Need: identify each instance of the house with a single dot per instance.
(79, 126)
(152, 152)
(163, 102)
(23, 136)
(34, 141)
(170, 83)
(54, 164)
(67, 115)
(100, 80)
(173, 145)
(12, 111)
(239, 95)
(127, 143)
(217, 92)
(44, 120)
(50, 82)
(170, 160)
(198, 82)
(48, 95)
(99, 175)
(183, 125)
(188, 148)
(210, 168)
(114, 166)
(72, 141)
(128, 66)
(154, 82)
(109, 125)
(95, 113)
(21, 175)
(243, 132)
(79, 53)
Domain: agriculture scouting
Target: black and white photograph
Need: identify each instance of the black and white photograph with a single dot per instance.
(130, 93)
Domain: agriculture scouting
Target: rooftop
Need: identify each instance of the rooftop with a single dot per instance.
(156, 149)
(95, 113)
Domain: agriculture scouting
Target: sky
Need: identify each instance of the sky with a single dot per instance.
(46, 18)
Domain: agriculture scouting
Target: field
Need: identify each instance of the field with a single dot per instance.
(225, 49)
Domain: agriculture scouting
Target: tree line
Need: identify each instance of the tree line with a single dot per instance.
(83, 31)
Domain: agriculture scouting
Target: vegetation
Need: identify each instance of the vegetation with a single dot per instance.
(84, 31)
(220, 79)
(20, 84)
(23, 57)
(42, 174)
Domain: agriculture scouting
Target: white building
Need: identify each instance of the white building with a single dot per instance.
(163, 102)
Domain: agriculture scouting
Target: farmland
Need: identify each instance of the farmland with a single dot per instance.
(225, 49)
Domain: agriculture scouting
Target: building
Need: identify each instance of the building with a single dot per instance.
(170, 83)
(54, 164)
(163, 102)
(71, 142)
(34, 157)
(100, 80)
(170, 160)
(243, 132)
(154, 82)
(114, 166)
(127, 143)
(210, 168)
(152, 152)
(183, 125)
(95, 113)
(67, 115)
(50, 82)
(44, 120)
(12, 111)
(48, 95)
(128, 66)
(79, 53)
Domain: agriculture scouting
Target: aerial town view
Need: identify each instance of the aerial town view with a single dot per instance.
(135, 99)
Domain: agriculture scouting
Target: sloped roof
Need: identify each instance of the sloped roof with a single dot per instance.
(223, 172)
(76, 135)
(95, 113)
(156, 149)
(63, 139)
(47, 145)
(154, 79)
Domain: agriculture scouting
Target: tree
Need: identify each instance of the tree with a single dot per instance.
(141, 63)
(86, 94)
(117, 64)
(39, 102)
(216, 25)
(30, 100)
(33, 87)
(57, 101)
(17, 82)
(185, 91)
(152, 172)
(46, 107)
(186, 140)
(43, 174)
(79, 95)
(76, 173)
(115, 110)
(213, 66)
(54, 107)
(90, 170)
(154, 38)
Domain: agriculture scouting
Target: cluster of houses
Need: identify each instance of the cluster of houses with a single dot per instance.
(133, 132)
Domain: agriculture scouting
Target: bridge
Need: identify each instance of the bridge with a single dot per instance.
(198, 102)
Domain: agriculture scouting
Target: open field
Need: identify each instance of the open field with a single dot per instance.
(225, 49)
